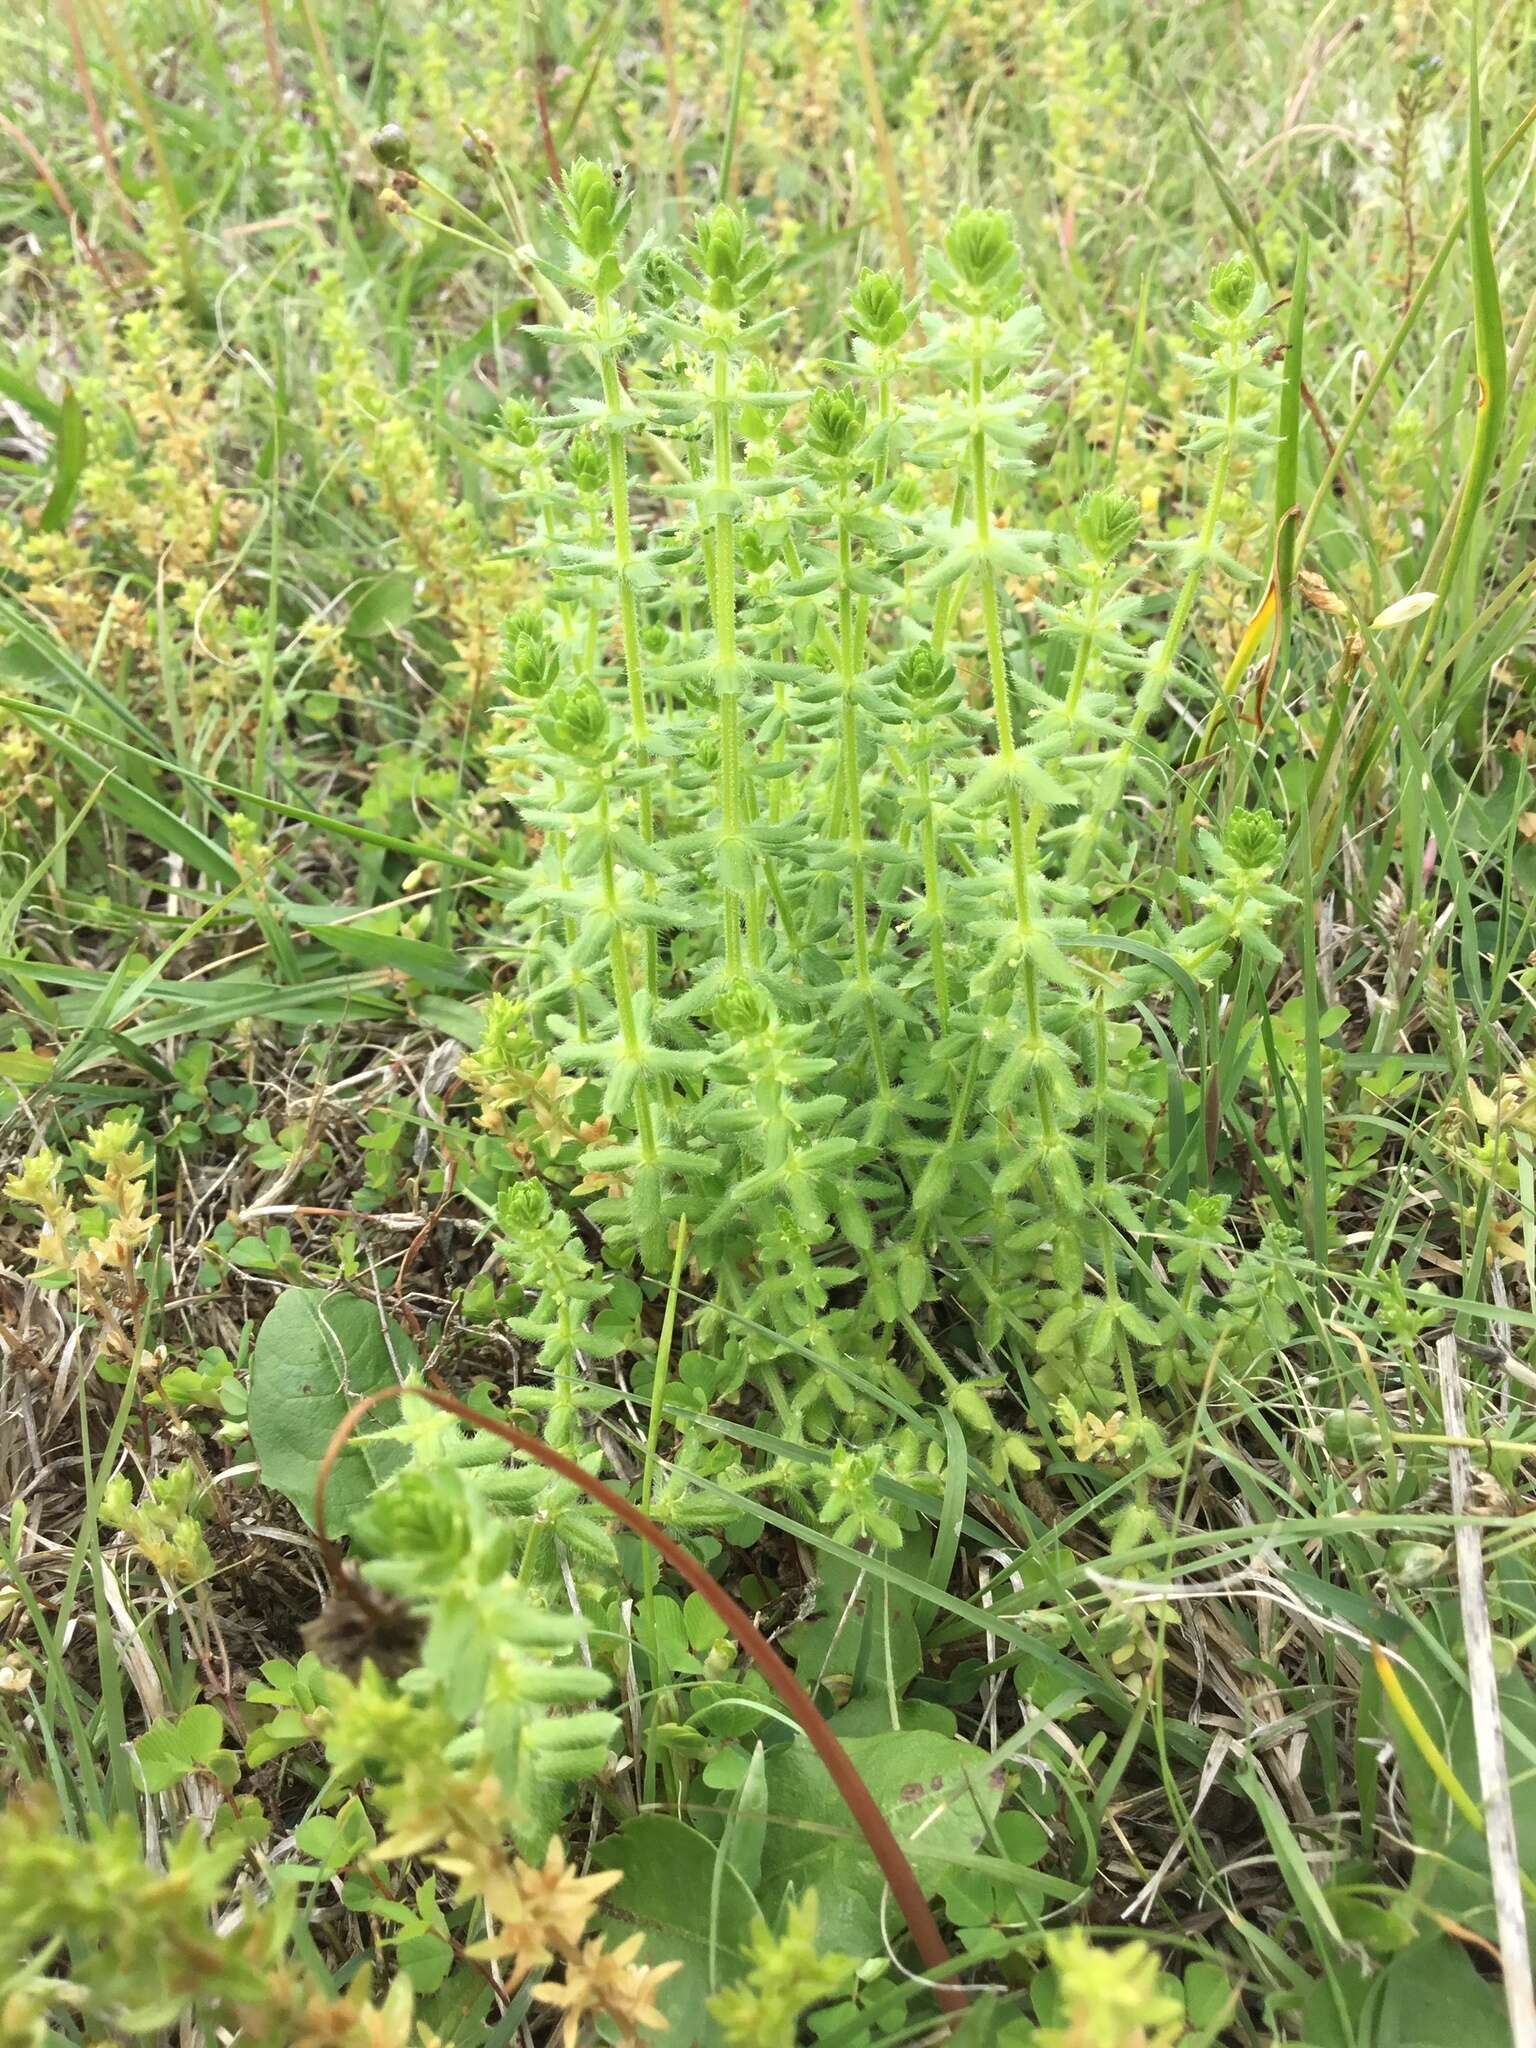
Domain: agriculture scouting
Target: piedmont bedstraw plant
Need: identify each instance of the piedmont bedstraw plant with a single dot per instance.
(793, 770)
(722, 276)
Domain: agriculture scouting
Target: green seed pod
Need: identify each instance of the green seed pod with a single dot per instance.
(391, 147)
(1350, 1433)
(1414, 1564)
(1232, 286)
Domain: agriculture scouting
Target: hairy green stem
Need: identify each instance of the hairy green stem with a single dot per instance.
(629, 613)
(728, 680)
(1021, 838)
(624, 1000)
(853, 803)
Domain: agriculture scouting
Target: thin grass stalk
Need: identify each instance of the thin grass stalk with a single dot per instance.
(134, 87)
(873, 100)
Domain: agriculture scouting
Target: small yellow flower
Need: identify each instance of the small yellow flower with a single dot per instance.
(1093, 1440)
(540, 1912)
(600, 1982)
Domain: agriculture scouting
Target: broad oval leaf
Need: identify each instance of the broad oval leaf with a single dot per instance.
(382, 605)
(937, 1793)
(315, 1355)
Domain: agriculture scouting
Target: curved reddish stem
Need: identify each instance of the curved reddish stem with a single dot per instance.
(856, 1795)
